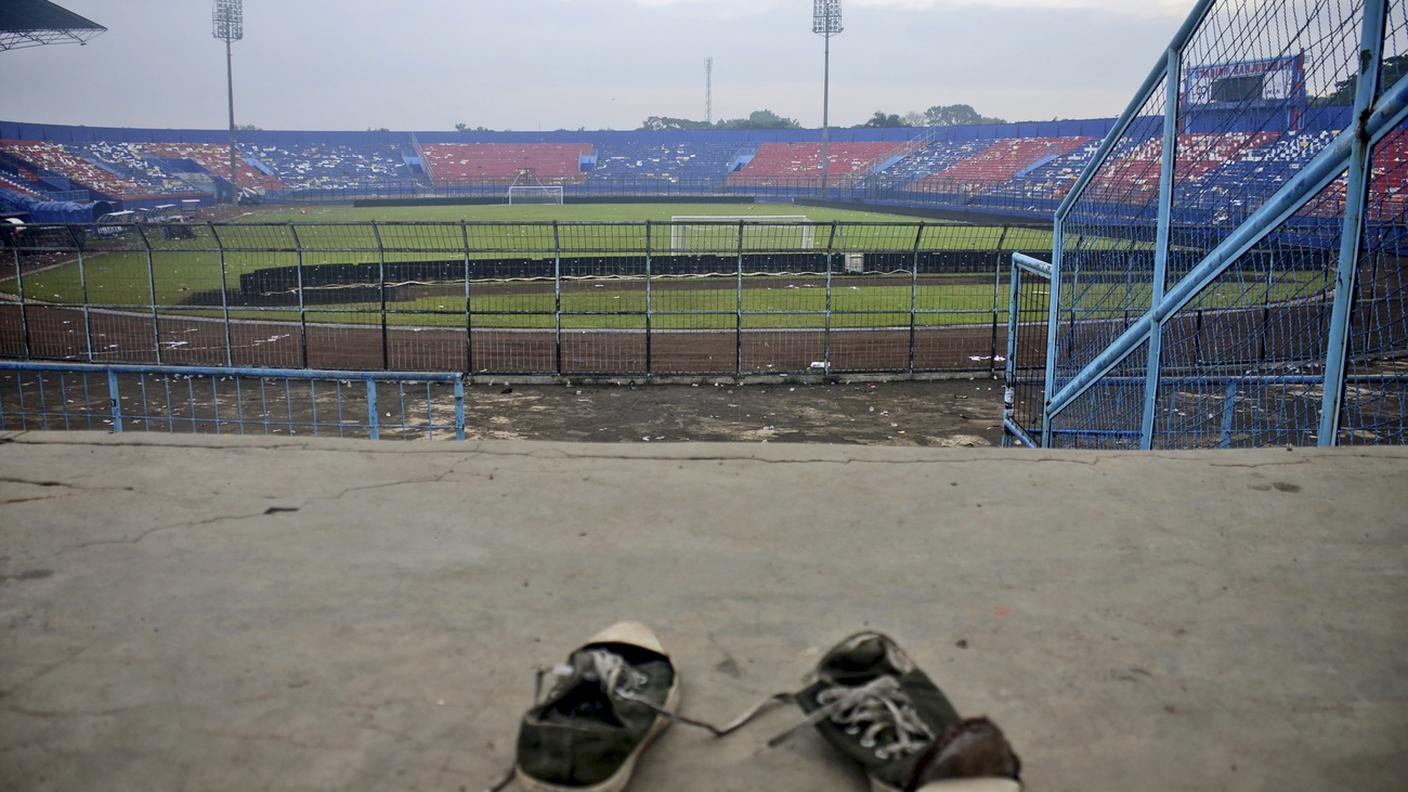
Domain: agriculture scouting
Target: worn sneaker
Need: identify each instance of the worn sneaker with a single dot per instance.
(597, 714)
(972, 756)
(870, 701)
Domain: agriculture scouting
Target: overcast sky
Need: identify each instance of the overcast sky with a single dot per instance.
(549, 64)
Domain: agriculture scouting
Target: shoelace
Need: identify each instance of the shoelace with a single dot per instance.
(880, 713)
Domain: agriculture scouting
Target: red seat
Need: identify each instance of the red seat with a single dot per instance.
(478, 163)
(790, 164)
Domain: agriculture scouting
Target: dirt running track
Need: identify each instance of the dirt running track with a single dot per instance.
(127, 337)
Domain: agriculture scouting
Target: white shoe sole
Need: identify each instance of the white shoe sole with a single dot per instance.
(958, 785)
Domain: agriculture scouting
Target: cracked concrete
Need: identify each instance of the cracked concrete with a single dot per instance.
(220, 613)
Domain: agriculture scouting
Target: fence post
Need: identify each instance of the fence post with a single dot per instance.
(24, 310)
(1167, 172)
(224, 296)
(381, 281)
(1351, 237)
(826, 335)
(649, 367)
(459, 406)
(83, 290)
(1265, 312)
(468, 306)
(557, 298)
(914, 297)
(115, 401)
(151, 292)
(997, 296)
(1229, 414)
(738, 315)
(373, 416)
(1014, 319)
(302, 306)
(1053, 317)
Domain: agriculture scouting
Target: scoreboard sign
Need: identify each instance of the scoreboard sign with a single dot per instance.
(1275, 81)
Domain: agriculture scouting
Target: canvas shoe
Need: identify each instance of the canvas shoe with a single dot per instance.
(871, 702)
(596, 714)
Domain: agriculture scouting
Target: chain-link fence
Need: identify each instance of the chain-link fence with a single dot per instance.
(1222, 275)
(567, 299)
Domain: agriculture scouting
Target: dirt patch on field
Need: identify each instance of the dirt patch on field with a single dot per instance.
(944, 413)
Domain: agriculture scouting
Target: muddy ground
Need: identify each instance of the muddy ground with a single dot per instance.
(961, 412)
(944, 413)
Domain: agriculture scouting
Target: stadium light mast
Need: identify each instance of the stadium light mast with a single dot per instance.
(709, 90)
(228, 26)
(826, 22)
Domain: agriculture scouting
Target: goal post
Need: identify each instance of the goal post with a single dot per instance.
(715, 233)
(535, 194)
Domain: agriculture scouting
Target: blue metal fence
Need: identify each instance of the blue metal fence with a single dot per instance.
(252, 401)
(1195, 302)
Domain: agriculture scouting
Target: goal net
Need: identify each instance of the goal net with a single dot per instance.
(719, 234)
(535, 194)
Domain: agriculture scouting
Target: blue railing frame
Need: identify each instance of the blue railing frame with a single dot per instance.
(1373, 119)
(1022, 266)
(113, 372)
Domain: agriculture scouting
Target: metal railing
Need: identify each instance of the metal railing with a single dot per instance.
(1030, 284)
(253, 401)
(639, 299)
(1248, 312)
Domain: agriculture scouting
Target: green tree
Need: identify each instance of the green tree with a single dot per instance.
(1343, 94)
(666, 123)
(883, 120)
(761, 119)
(956, 115)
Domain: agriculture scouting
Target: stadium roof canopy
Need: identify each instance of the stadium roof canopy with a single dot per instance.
(34, 23)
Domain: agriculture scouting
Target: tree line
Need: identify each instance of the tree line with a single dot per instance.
(938, 115)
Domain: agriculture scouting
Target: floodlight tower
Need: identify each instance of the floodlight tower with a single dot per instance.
(826, 22)
(228, 26)
(709, 90)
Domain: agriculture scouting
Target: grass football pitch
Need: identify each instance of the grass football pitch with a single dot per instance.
(117, 274)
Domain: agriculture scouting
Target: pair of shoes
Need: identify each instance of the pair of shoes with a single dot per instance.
(617, 693)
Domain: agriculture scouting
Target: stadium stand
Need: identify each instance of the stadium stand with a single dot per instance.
(1135, 174)
(319, 166)
(1391, 177)
(81, 173)
(937, 156)
(215, 158)
(785, 164)
(126, 162)
(458, 163)
(1000, 162)
(1023, 169)
(1042, 187)
(669, 162)
(14, 185)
